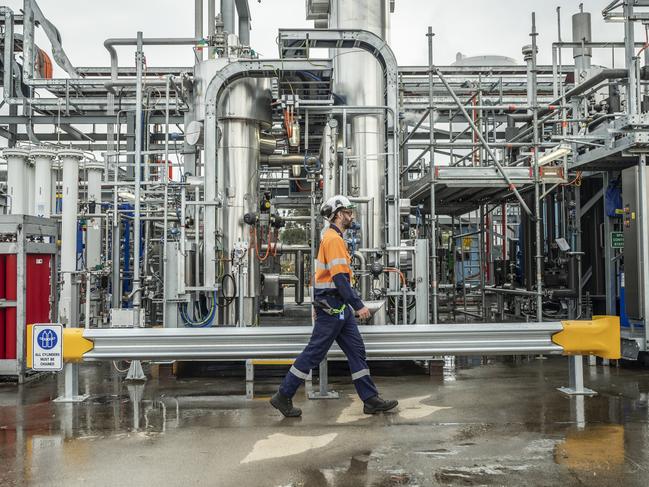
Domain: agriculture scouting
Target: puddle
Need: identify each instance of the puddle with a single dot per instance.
(362, 471)
(597, 448)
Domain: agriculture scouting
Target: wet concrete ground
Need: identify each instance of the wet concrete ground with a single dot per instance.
(492, 424)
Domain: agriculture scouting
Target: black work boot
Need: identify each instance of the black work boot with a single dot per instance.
(377, 404)
(285, 405)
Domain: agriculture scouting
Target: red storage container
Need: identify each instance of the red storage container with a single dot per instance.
(37, 297)
(38, 289)
(3, 295)
(10, 313)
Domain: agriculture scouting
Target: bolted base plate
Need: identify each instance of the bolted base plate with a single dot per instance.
(80, 398)
(569, 391)
(329, 395)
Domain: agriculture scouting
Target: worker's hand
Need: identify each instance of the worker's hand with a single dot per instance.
(364, 313)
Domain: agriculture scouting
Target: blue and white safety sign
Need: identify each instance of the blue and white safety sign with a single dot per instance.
(47, 349)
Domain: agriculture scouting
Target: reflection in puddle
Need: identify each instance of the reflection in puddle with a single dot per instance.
(597, 448)
(478, 475)
(359, 473)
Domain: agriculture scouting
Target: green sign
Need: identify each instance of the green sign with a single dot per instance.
(617, 240)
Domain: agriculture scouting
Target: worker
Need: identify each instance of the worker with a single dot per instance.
(334, 302)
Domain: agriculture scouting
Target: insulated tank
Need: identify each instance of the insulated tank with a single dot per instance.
(44, 160)
(244, 107)
(358, 78)
(582, 32)
(17, 180)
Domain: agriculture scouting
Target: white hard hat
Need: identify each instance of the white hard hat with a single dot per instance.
(335, 203)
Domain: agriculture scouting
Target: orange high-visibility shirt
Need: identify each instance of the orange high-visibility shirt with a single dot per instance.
(333, 258)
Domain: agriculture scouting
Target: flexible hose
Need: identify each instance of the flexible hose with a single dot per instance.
(254, 243)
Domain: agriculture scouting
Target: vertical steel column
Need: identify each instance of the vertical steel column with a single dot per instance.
(299, 272)
(643, 213)
(70, 200)
(244, 31)
(556, 59)
(116, 285)
(482, 260)
(28, 40)
(462, 258)
(431, 152)
(116, 282)
(94, 172)
(209, 211)
(537, 178)
(211, 25)
(344, 188)
(323, 374)
(165, 222)
(228, 15)
(575, 310)
(453, 248)
(198, 26)
(8, 76)
(505, 241)
(243, 12)
(139, 127)
(643, 191)
(68, 301)
(630, 58)
(610, 280)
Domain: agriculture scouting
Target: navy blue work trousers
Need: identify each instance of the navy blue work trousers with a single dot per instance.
(344, 330)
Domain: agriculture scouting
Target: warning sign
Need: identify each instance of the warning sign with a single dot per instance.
(47, 349)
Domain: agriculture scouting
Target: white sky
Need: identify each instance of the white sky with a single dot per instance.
(473, 27)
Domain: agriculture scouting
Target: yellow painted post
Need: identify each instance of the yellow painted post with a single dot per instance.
(28, 341)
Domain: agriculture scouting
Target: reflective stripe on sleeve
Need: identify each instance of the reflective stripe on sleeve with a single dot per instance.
(340, 269)
(325, 285)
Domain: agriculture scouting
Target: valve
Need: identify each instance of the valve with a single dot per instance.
(277, 221)
(265, 205)
(312, 164)
(376, 269)
(250, 218)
